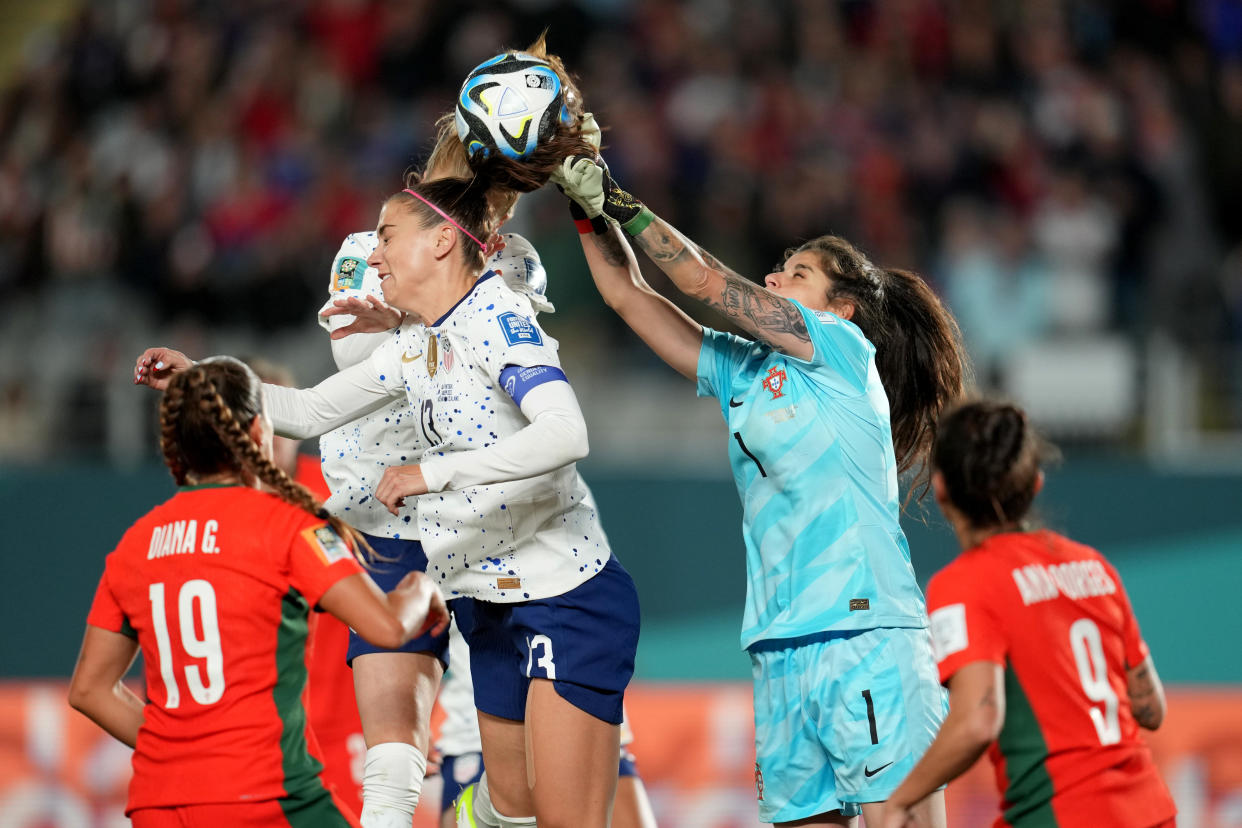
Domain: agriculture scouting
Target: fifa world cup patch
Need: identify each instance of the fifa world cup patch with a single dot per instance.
(519, 330)
(327, 543)
(509, 583)
(347, 273)
(860, 604)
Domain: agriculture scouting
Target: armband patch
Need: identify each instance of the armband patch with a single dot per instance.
(519, 330)
(327, 543)
(518, 382)
(347, 273)
(948, 629)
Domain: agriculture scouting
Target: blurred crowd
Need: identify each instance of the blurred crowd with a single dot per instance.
(1056, 169)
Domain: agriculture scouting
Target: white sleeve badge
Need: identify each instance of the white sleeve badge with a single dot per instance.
(948, 629)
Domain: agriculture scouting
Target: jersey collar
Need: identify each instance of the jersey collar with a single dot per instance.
(487, 275)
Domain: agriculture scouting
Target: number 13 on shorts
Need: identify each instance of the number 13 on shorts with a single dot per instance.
(539, 662)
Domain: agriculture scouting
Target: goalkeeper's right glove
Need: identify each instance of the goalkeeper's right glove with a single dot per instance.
(587, 181)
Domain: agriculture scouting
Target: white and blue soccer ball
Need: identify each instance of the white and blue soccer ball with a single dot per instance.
(509, 105)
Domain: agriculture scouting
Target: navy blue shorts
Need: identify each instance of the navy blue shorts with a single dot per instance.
(403, 557)
(583, 641)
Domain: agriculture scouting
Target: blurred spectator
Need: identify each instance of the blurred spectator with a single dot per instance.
(1060, 165)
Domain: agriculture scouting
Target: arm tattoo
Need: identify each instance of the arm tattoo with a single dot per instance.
(666, 248)
(750, 305)
(745, 301)
(1144, 698)
(1145, 714)
(989, 698)
(611, 248)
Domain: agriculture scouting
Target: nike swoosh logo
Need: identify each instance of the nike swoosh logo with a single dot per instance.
(733, 403)
(405, 358)
(476, 95)
(517, 142)
(867, 772)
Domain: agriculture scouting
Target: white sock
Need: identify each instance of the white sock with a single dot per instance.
(392, 779)
(487, 816)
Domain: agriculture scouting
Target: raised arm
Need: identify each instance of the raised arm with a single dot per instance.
(345, 396)
(770, 318)
(674, 336)
(297, 413)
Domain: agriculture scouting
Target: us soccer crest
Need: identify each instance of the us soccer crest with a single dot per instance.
(775, 381)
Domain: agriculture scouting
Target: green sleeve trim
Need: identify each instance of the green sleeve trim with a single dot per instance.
(640, 222)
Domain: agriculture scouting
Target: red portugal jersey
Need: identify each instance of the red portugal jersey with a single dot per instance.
(330, 700)
(217, 585)
(1054, 614)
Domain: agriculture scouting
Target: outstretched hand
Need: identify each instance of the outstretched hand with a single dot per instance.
(156, 366)
(588, 182)
(584, 180)
(371, 315)
(398, 483)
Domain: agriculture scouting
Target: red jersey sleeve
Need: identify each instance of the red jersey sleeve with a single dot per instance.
(1136, 647)
(964, 627)
(106, 613)
(318, 558)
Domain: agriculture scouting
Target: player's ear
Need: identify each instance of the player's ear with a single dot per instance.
(1039, 481)
(843, 308)
(446, 240)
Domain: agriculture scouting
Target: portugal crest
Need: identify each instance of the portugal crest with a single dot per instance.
(775, 381)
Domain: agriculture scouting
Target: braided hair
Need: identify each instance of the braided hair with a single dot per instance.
(205, 417)
(990, 458)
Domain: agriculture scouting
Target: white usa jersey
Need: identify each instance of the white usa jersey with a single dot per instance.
(354, 456)
(504, 542)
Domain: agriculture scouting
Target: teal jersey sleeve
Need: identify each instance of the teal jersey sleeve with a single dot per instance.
(721, 356)
(843, 356)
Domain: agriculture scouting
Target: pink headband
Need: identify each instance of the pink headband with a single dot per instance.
(447, 218)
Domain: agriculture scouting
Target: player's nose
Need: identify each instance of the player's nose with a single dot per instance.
(772, 281)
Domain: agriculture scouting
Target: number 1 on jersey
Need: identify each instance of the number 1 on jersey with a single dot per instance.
(206, 646)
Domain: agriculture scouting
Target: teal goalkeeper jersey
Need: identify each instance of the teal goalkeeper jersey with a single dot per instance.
(812, 456)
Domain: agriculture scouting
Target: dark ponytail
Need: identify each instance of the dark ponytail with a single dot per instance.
(921, 361)
(990, 458)
(918, 347)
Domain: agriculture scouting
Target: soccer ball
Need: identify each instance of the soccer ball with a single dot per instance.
(509, 104)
